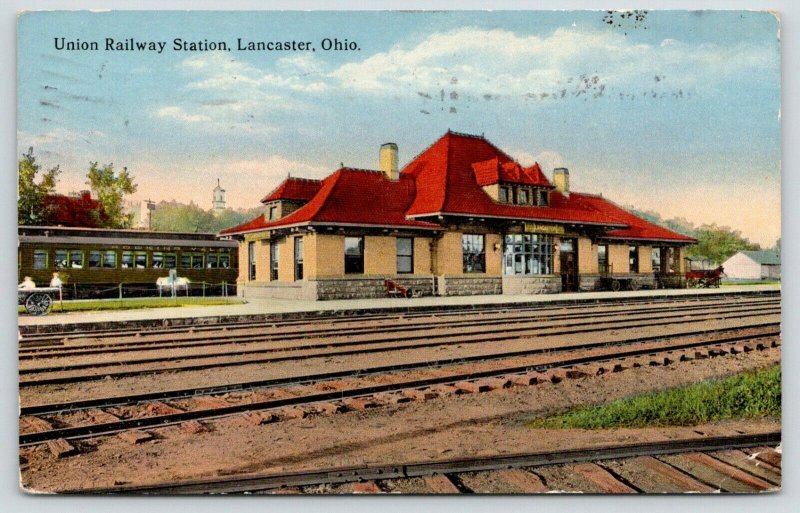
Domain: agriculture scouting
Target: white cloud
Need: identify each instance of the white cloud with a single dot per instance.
(548, 160)
(478, 61)
(178, 113)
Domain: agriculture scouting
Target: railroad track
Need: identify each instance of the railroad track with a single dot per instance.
(364, 329)
(574, 363)
(53, 337)
(735, 463)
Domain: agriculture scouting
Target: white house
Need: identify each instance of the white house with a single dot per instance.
(753, 265)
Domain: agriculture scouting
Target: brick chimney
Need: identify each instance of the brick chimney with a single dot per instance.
(561, 180)
(387, 160)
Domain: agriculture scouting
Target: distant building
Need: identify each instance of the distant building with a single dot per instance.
(78, 209)
(219, 198)
(753, 265)
(141, 212)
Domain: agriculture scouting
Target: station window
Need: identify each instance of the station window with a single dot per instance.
(354, 255)
(528, 253)
(522, 196)
(127, 260)
(62, 257)
(405, 255)
(40, 259)
(633, 259)
(224, 261)
(273, 212)
(158, 260)
(140, 260)
(95, 260)
(298, 258)
(110, 260)
(503, 195)
(273, 261)
(76, 259)
(602, 259)
(474, 254)
(170, 261)
(655, 259)
(543, 198)
(251, 259)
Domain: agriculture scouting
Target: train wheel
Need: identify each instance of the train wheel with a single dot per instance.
(38, 304)
(616, 285)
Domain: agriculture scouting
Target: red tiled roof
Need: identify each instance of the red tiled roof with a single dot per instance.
(350, 196)
(297, 189)
(492, 171)
(446, 178)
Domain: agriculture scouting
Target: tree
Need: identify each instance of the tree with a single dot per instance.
(171, 216)
(31, 195)
(717, 243)
(110, 190)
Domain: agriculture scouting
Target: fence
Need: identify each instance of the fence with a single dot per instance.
(133, 290)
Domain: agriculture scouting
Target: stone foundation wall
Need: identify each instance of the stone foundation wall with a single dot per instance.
(277, 290)
(469, 285)
(520, 285)
(358, 288)
(588, 283)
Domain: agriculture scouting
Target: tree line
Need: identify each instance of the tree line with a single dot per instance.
(714, 243)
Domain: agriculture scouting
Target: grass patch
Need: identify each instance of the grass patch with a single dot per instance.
(736, 283)
(137, 303)
(747, 395)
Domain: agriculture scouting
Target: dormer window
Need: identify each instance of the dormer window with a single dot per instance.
(504, 195)
(522, 197)
(273, 212)
(543, 198)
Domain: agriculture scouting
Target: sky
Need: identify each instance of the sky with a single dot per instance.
(672, 111)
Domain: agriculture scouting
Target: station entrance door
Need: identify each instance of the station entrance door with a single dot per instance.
(568, 251)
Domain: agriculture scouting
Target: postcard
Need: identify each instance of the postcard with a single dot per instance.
(387, 252)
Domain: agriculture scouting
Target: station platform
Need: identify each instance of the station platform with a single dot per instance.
(275, 307)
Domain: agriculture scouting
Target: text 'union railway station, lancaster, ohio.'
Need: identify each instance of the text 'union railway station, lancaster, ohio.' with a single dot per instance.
(461, 218)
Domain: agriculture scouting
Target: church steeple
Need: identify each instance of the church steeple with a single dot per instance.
(219, 198)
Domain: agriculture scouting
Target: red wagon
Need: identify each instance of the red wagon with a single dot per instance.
(704, 278)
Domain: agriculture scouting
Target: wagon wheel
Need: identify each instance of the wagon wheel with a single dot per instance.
(38, 304)
(635, 285)
(691, 283)
(409, 293)
(616, 285)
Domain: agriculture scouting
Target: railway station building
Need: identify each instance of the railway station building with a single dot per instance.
(461, 218)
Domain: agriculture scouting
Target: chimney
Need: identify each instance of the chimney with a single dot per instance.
(561, 180)
(387, 160)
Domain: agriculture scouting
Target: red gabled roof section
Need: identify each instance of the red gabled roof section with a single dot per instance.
(294, 189)
(351, 197)
(492, 171)
(638, 228)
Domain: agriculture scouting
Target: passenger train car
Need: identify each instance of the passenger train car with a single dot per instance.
(94, 262)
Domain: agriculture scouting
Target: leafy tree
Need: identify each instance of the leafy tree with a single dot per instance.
(172, 216)
(31, 195)
(110, 189)
(717, 243)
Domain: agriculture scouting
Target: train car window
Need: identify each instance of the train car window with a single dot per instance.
(95, 261)
(224, 261)
(61, 258)
(212, 261)
(170, 261)
(186, 261)
(127, 260)
(40, 259)
(110, 260)
(76, 259)
(141, 260)
(158, 260)
(197, 261)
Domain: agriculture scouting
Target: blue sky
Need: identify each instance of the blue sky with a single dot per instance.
(677, 112)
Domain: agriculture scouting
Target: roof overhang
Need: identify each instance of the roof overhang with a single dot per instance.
(671, 241)
(522, 219)
(348, 225)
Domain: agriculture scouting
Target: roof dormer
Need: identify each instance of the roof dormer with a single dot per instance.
(510, 183)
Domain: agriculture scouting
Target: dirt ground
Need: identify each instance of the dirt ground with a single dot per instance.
(443, 428)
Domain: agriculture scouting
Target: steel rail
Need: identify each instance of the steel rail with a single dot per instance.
(87, 431)
(337, 475)
(429, 340)
(344, 315)
(225, 336)
(529, 326)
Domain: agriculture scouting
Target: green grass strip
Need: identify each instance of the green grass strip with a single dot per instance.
(747, 395)
(136, 303)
